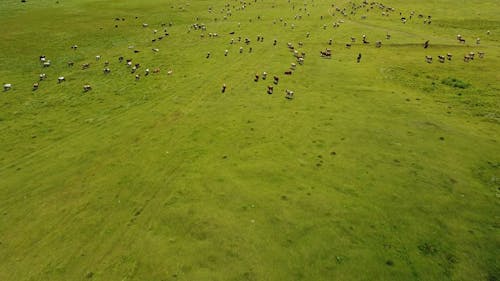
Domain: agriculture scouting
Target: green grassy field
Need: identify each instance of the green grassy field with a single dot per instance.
(387, 169)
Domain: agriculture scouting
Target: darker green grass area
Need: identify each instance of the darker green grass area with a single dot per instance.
(455, 83)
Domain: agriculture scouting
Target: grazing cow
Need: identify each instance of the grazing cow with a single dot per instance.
(106, 70)
(449, 56)
(428, 59)
(42, 58)
(461, 40)
(241, 50)
(388, 36)
(276, 80)
(120, 59)
(358, 59)
(106, 63)
(270, 90)
(256, 79)
(226, 52)
(156, 70)
(170, 72)
(61, 79)
(441, 58)
(300, 61)
(87, 88)
(97, 57)
(288, 72)
(326, 54)
(46, 64)
(289, 94)
(35, 86)
(7, 87)
(145, 25)
(353, 39)
(250, 50)
(223, 90)
(74, 47)
(378, 44)
(348, 46)
(264, 75)
(481, 54)
(70, 63)
(146, 72)
(134, 68)
(293, 65)
(85, 65)
(42, 76)
(467, 58)
(137, 77)
(155, 50)
(478, 41)
(471, 55)
(208, 55)
(275, 42)
(426, 44)
(364, 40)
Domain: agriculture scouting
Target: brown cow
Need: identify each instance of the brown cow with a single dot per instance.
(270, 90)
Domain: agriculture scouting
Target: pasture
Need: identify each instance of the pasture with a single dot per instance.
(382, 169)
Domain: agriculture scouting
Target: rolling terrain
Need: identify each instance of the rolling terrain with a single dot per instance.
(386, 169)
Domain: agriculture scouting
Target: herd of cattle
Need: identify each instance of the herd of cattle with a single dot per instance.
(298, 55)
(45, 63)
